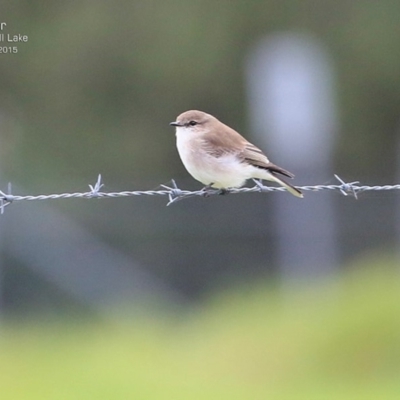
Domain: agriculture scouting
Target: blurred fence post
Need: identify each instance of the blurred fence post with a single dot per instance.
(292, 112)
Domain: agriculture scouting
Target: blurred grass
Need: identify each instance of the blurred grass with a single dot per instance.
(338, 339)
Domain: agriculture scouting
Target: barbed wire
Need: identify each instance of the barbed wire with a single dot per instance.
(175, 194)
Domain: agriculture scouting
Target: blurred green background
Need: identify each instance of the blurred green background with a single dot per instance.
(93, 91)
(339, 340)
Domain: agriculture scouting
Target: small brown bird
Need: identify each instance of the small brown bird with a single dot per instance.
(218, 156)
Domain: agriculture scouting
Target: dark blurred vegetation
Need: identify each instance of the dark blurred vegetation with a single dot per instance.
(98, 82)
(334, 342)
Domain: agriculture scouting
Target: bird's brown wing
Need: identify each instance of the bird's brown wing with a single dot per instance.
(254, 156)
(215, 145)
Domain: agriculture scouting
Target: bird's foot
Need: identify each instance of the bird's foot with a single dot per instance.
(223, 192)
(208, 190)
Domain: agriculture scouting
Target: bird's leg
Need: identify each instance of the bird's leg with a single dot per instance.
(207, 189)
(223, 192)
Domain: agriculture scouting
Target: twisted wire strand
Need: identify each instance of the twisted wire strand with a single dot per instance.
(174, 193)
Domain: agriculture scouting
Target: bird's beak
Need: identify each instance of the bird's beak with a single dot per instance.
(175, 123)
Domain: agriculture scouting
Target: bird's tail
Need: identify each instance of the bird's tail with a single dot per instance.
(294, 191)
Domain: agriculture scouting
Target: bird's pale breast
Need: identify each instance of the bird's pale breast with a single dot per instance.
(224, 171)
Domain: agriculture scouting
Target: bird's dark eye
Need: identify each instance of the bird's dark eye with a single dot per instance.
(192, 123)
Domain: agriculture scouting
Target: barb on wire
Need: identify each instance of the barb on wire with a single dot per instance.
(94, 190)
(347, 187)
(175, 194)
(5, 199)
